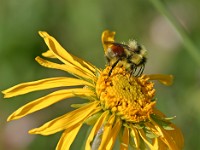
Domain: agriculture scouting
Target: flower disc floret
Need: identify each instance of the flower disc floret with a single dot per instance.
(128, 96)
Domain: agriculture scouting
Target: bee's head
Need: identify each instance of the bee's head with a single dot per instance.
(137, 48)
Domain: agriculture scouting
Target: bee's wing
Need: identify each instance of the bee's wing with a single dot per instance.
(108, 38)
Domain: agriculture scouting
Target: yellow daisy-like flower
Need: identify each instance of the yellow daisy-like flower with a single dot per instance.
(118, 104)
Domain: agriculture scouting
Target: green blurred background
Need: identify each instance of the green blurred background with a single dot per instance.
(78, 25)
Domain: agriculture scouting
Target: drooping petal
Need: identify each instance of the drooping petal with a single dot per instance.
(43, 84)
(95, 129)
(158, 144)
(68, 120)
(48, 100)
(144, 138)
(107, 132)
(107, 36)
(125, 139)
(64, 56)
(152, 129)
(114, 133)
(165, 137)
(68, 137)
(68, 68)
(136, 137)
(176, 135)
(164, 79)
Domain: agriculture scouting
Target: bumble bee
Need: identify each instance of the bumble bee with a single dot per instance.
(132, 56)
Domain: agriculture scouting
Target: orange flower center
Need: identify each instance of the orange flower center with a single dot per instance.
(127, 96)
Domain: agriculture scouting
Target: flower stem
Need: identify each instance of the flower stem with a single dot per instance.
(187, 42)
(97, 139)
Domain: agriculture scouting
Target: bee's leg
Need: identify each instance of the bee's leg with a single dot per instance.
(143, 66)
(113, 66)
(133, 69)
(140, 71)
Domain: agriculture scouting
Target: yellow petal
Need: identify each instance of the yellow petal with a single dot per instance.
(43, 84)
(152, 128)
(125, 139)
(88, 65)
(68, 137)
(166, 137)
(158, 144)
(95, 129)
(177, 136)
(107, 36)
(68, 120)
(106, 133)
(63, 55)
(174, 135)
(164, 79)
(135, 135)
(68, 68)
(114, 133)
(49, 54)
(48, 100)
(143, 136)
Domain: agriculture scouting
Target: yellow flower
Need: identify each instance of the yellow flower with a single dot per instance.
(118, 104)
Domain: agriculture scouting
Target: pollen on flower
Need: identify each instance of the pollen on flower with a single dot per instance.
(127, 96)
